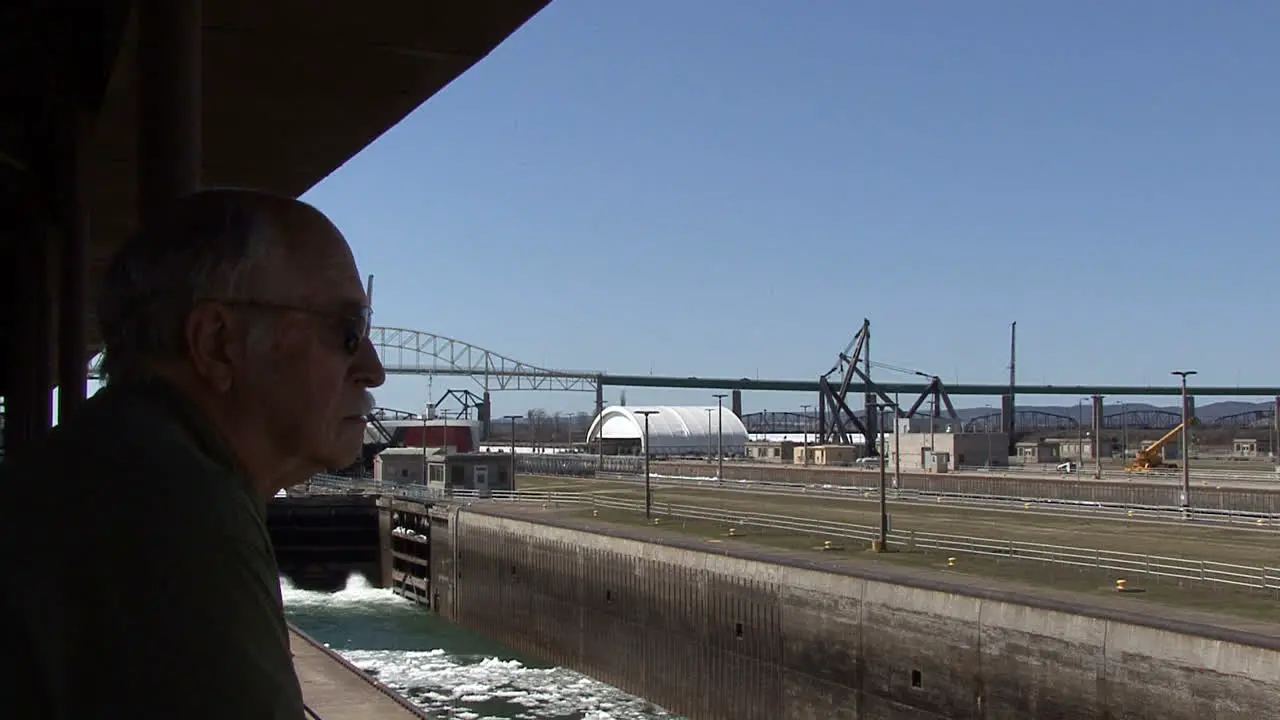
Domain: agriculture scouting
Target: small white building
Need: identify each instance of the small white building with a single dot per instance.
(960, 449)
(405, 465)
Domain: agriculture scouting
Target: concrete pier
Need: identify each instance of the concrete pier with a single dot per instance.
(334, 689)
(714, 630)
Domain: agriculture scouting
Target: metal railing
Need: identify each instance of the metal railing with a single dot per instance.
(1029, 471)
(1116, 472)
(984, 501)
(1183, 569)
(1091, 509)
(1203, 571)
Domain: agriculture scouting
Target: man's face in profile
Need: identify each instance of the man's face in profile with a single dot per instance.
(313, 370)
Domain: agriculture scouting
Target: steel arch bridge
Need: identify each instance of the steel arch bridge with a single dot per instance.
(1022, 420)
(1247, 419)
(413, 352)
(766, 422)
(1142, 420)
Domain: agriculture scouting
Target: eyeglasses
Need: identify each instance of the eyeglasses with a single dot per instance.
(355, 326)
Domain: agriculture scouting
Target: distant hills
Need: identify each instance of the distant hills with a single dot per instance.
(1208, 412)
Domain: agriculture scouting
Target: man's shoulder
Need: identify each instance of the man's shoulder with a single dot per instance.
(127, 457)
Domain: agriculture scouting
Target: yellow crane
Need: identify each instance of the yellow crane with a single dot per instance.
(1149, 458)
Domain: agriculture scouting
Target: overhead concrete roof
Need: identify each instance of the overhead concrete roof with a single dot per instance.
(292, 88)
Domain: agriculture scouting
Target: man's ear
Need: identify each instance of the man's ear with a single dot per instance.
(212, 344)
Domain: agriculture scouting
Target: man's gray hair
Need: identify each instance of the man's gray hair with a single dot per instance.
(208, 245)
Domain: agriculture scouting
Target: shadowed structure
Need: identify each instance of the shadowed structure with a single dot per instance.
(108, 108)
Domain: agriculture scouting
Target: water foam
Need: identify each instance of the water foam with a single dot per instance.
(357, 593)
(455, 684)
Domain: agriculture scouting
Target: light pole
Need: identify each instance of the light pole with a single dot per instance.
(897, 446)
(1079, 434)
(986, 428)
(720, 436)
(710, 452)
(1097, 436)
(805, 408)
(599, 418)
(884, 506)
(426, 413)
(648, 494)
(1124, 433)
(513, 419)
(1186, 461)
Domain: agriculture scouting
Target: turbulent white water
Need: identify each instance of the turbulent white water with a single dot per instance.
(447, 671)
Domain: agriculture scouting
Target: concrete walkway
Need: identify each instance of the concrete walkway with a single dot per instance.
(334, 690)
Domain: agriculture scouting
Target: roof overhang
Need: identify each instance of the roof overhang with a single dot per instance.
(292, 89)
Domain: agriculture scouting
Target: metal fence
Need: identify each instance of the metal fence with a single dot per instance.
(1056, 507)
(577, 465)
(1149, 491)
(1267, 578)
(975, 501)
(1182, 569)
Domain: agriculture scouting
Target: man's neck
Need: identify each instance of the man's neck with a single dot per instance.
(246, 439)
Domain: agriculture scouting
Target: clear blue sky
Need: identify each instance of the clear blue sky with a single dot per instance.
(726, 187)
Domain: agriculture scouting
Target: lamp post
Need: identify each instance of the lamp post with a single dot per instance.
(1124, 433)
(1097, 436)
(883, 545)
(648, 494)
(513, 419)
(805, 447)
(426, 481)
(897, 445)
(720, 436)
(710, 452)
(1079, 434)
(1186, 461)
(986, 427)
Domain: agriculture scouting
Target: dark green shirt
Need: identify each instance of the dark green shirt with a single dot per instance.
(139, 579)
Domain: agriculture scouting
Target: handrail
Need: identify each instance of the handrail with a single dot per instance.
(859, 493)
(1200, 571)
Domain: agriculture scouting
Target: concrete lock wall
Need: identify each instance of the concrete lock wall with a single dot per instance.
(716, 636)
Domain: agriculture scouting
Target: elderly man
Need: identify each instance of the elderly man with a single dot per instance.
(140, 580)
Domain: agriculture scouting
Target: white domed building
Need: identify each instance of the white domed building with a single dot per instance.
(673, 431)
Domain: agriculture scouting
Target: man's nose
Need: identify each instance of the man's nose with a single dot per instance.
(367, 366)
